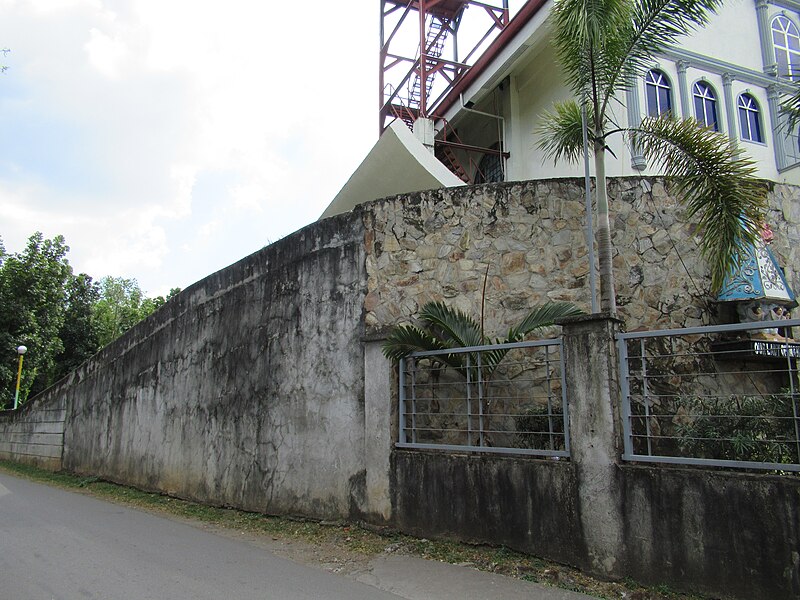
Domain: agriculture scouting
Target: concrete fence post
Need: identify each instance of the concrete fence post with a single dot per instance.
(378, 429)
(591, 369)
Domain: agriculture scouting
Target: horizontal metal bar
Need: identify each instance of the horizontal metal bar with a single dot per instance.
(485, 449)
(531, 344)
(471, 148)
(711, 329)
(712, 462)
(709, 416)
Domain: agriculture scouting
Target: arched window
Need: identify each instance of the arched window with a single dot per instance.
(658, 93)
(490, 168)
(786, 41)
(705, 105)
(749, 118)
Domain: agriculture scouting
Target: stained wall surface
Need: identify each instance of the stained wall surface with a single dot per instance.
(34, 434)
(245, 390)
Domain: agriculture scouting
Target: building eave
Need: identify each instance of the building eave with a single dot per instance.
(508, 46)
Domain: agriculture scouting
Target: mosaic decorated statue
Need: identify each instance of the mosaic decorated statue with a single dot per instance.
(759, 289)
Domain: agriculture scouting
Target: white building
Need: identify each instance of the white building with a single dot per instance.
(729, 75)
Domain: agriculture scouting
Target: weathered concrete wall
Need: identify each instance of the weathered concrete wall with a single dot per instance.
(712, 531)
(246, 390)
(263, 387)
(34, 433)
(722, 533)
(522, 503)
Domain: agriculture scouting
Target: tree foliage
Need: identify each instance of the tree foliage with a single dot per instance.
(790, 107)
(32, 310)
(122, 304)
(62, 318)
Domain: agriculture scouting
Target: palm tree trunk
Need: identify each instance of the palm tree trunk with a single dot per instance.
(608, 295)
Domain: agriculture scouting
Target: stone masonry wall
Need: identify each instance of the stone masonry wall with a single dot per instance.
(437, 245)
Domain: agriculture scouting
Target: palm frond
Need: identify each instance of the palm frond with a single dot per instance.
(542, 316)
(449, 328)
(581, 30)
(405, 339)
(653, 25)
(561, 132)
(790, 107)
(716, 183)
(604, 44)
(457, 329)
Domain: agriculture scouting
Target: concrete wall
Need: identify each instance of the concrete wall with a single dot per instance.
(712, 531)
(34, 433)
(522, 503)
(245, 390)
(263, 387)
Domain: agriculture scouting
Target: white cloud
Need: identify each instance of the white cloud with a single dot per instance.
(166, 140)
(106, 53)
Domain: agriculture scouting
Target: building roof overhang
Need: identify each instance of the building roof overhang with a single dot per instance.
(507, 49)
(397, 164)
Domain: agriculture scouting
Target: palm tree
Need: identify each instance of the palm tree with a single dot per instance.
(604, 46)
(445, 328)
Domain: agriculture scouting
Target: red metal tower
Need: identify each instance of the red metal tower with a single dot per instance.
(429, 47)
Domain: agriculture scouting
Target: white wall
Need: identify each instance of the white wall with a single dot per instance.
(731, 38)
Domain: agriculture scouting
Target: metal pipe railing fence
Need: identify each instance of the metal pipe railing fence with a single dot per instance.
(714, 396)
(506, 398)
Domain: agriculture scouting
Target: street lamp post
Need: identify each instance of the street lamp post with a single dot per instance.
(20, 350)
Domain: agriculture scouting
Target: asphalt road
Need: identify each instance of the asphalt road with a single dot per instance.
(58, 545)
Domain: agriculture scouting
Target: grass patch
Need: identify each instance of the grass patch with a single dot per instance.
(356, 539)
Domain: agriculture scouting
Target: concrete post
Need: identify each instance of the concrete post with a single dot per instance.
(591, 370)
(378, 429)
(424, 132)
(730, 108)
(683, 88)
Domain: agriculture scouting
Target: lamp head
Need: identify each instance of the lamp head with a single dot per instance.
(21, 350)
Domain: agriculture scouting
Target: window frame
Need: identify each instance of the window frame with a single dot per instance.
(750, 117)
(709, 99)
(664, 84)
(489, 166)
(791, 69)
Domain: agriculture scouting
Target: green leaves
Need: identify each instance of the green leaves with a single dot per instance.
(62, 318)
(790, 107)
(32, 298)
(714, 180)
(561, 132)
(446, 328)
(121, 305)
(604, 44)
(542, 316)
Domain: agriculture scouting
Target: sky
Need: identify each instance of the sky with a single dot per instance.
(167, 139)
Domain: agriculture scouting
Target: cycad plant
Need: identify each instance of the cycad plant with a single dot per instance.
(604, 46)
(445, 328)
